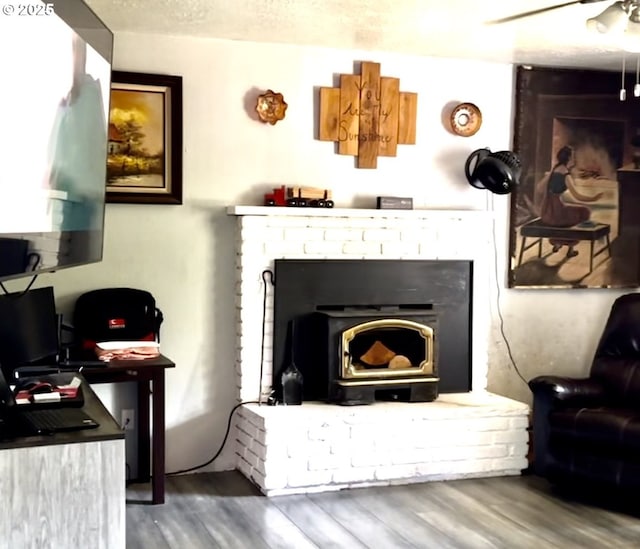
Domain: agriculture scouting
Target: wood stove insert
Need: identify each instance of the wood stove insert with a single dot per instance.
(419, 309)
(378, 354)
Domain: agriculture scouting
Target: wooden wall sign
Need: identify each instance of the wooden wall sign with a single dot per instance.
(368, 115)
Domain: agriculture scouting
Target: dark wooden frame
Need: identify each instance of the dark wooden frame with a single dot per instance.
(171, 87)
(544, 99)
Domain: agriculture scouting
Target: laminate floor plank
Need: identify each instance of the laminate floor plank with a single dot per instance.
(553, 532)
(229, 529)
(233, 483)
(181, 528)
(138, 494)
(177, 519)
(445, 511)
(362, 524)
(318, 525)
(481, 525)
(394, 507)
(142, 532)
(521, 512)
(256, 513)
(268, 522)
(217, 513)
(583, 524)
(560, 525)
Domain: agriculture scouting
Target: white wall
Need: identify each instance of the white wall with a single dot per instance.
(185, 254)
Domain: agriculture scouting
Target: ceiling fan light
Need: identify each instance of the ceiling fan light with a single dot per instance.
(612, 18)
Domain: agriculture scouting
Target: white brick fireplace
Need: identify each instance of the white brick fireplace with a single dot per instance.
(319, 446)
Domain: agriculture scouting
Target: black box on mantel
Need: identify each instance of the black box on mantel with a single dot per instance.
(394, 203)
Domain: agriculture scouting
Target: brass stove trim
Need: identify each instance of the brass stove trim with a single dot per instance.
(426, 367)
(395, 381)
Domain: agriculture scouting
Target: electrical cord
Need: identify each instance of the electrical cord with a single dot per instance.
(33, 279)
(224, 441)
(267, 276)
(498, 294)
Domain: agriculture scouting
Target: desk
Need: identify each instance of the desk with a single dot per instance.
(149, 376)
(67, 489)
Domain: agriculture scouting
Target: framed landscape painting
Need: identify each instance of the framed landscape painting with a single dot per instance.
(144, 162)
(575, 217)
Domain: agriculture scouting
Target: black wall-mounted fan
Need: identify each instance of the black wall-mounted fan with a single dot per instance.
(498, 172)
(541, 10)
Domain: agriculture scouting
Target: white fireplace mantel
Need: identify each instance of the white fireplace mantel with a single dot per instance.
(280, 211)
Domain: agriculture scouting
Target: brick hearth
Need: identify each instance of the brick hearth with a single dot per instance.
(318, 446)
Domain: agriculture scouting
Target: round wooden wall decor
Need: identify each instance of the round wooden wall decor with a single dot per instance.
(466, 119)
(271, 107)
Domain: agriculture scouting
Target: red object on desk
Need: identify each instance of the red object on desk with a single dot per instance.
(28, 395)
(67, 392)
(127, 350)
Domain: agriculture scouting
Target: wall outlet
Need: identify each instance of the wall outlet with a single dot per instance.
(127, 420)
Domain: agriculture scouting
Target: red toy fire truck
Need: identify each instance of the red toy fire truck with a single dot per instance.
(299, 197)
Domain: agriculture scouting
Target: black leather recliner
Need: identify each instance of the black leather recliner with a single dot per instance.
(586, 432)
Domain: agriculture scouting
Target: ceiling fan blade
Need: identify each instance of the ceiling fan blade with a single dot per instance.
(536, 12)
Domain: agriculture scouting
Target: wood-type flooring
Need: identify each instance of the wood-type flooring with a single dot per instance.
(225, 510)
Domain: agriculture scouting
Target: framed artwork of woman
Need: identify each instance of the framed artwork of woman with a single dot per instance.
(575, 217)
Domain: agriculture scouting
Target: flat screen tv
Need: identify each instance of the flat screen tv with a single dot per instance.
(56, 77)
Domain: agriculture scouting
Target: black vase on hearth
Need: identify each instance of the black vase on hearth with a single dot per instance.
(291, 377)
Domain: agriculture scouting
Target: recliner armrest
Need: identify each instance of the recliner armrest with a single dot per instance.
(568, 390)
(552, 393)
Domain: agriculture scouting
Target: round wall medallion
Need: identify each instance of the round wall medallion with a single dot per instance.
(271, 107)
(466, 119)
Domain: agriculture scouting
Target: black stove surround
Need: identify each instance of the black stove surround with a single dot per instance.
(325, 297)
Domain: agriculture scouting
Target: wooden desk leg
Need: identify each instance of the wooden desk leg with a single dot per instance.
(144, 432)
(158, 441)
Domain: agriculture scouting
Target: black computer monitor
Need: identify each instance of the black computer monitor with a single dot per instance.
(29, 332)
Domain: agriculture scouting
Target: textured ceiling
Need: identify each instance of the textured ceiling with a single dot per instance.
(449, 28)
